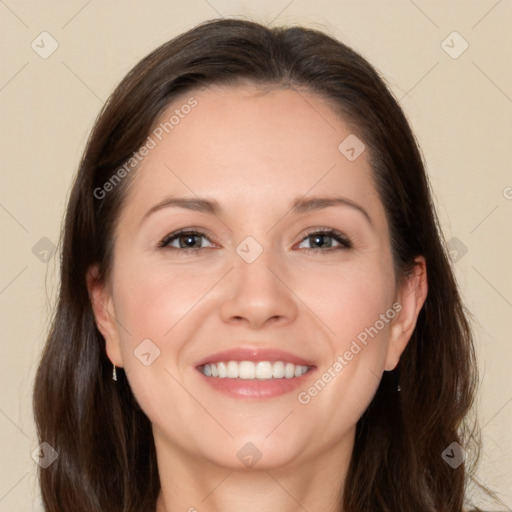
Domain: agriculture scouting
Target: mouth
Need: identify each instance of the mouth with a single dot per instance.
(250, 370)
(251, 373)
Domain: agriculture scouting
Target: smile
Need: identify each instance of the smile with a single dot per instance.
(252, 370)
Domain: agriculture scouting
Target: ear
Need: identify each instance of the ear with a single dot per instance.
(103, 308)
(411, 297)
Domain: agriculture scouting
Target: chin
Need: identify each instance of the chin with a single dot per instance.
(257, 452)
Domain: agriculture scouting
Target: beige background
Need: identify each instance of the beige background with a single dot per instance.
(460, 109)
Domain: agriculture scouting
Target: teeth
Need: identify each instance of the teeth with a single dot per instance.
(262, 370)
(278, 370)
(232, 370)
(221, 368)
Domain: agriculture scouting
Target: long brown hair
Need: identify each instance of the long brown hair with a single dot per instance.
(106, 456)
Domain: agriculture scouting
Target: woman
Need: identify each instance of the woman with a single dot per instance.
(257, 310)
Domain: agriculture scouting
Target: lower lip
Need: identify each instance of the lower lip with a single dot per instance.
(255, 389)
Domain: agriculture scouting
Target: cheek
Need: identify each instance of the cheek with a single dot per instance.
(348, 298)
(355, 306)
(360, 315)
(152, 299)
(158, 309)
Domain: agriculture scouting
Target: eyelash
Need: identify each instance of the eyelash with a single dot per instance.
(344, 242)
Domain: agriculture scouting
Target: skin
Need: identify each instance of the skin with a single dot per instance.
(254, 152)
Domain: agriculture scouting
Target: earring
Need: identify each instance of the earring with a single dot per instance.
(397, 378)
(114, 375)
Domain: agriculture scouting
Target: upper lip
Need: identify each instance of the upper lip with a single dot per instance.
(255, 354)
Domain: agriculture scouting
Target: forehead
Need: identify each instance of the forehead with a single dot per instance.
(243, 144)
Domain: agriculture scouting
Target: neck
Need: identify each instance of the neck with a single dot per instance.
(190, 484)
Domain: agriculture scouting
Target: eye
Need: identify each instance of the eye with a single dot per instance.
(185, 240)
(191, 240)
(322, 238)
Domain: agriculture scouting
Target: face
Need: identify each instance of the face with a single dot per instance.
(225, 253)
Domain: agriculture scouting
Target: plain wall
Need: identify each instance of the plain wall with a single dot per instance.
(460, 110)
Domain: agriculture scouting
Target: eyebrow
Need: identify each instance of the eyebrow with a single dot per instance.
(212, 207)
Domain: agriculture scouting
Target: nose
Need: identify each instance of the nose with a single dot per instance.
(257, 293)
